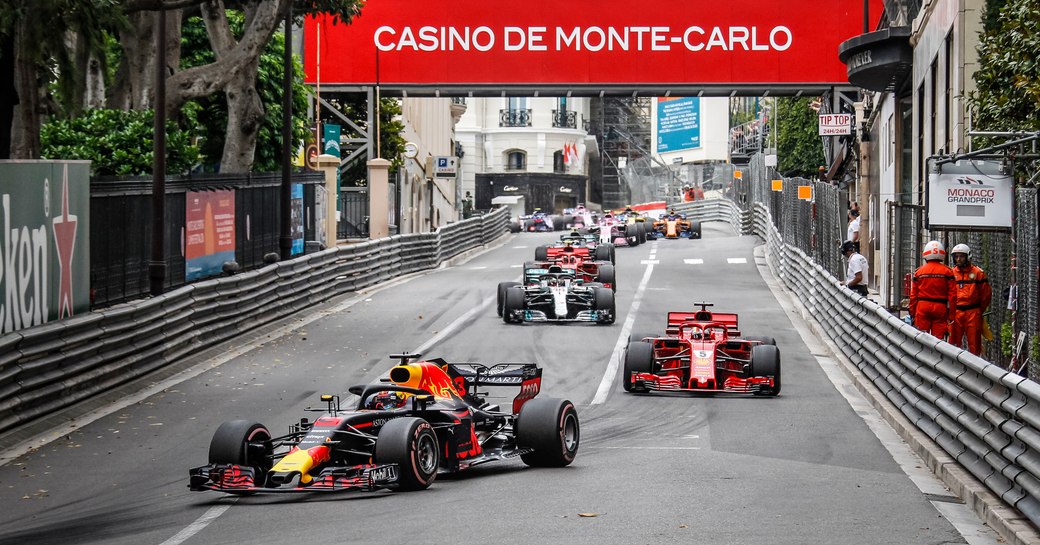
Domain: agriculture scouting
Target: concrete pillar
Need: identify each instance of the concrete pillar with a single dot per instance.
(378, 198)
(329, 164)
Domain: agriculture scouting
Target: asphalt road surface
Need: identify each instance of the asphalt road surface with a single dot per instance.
(812, 466)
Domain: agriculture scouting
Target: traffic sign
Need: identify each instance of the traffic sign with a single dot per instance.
(443, 166)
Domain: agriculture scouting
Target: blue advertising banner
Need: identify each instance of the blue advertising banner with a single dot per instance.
(678, 124)
(296, 227)
(45, 244)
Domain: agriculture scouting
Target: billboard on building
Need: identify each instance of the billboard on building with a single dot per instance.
(590, 42)
(45, 245)
(678, 124)
(209, 232)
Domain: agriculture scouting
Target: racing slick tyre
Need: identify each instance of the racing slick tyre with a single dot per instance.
(695, 230)
(603, 300)
(639, 358)
(765, 361)
(603, 253)
(541, 253)
(514, 227)
(550, 427)
(502, 287)
(764, 340)
(607, 276)
(641, 231)
(513, 301)
(244, 443)
(638, 336)
(557, 222)
(412, 444)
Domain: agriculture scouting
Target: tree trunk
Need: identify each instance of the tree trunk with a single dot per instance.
(135, 78)
(8, 95)
(25, 134)
(245, 115)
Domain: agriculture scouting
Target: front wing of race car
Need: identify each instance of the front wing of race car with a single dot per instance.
(236, 479)
(671, 383)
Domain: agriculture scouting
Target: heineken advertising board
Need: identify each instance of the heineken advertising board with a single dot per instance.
(45, 245)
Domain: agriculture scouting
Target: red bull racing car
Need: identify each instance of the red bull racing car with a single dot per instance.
(702, 351)
(425, 417)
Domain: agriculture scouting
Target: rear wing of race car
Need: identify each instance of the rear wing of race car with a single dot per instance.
(676, 319)
(526, 376)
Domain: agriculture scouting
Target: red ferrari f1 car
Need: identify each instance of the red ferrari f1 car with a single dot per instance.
(702, 351)
(425, 417)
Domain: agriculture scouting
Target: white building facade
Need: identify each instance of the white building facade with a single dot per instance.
(427, 202)
(537, 147)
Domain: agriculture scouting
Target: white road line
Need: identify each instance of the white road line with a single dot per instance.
(649, 262)
(693, 261)
(736, 260)
(199, 524)
(515, 266)
(640, 448)
(477, 268)
(607, 383)
(454, 325)
(519, 247)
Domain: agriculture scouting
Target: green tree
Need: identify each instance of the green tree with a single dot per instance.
(208, 115)
(1007, 97)
(116, 142)
(35, 53)
(799, 148)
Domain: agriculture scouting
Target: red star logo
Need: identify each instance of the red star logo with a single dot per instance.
(65, 240)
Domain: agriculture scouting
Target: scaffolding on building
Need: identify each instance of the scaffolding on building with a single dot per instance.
(630, 119)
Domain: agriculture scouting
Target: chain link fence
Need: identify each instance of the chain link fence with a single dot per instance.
(815, 221)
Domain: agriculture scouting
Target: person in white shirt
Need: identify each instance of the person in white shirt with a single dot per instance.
(856, 272)
(852, 234)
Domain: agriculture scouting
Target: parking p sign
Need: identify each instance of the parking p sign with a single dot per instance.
(835, 124)
(443, 166)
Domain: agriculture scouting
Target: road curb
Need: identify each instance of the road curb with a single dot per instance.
(1015, 528)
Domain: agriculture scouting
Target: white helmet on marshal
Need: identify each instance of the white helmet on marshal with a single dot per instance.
(933, 250)
(961, 249)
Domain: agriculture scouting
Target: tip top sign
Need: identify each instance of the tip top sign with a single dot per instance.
(835, 124)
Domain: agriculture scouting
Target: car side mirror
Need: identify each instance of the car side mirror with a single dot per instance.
(356, 389)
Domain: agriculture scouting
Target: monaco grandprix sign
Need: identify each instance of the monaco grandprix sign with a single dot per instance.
(474, 43)
(970, 195)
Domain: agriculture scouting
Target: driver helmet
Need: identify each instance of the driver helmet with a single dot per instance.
(388, 400)
(934, 251)
(961, 249)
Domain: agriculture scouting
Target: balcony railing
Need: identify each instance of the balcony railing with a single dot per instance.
(514, 118)
(565, 119)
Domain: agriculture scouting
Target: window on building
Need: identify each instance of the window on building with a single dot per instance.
(558, 164)
(516, 160)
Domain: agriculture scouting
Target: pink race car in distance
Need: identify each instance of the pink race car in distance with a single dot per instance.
(702, 351)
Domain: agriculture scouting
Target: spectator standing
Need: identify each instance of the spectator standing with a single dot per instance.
(974, 294)
(852, 232)
(933, 292)
(856, 270)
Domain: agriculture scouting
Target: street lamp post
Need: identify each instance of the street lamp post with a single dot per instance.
(157, 265)
(285, 241)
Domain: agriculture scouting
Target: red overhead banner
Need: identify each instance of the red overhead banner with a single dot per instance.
(585, 42)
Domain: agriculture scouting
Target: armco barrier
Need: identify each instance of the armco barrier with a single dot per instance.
(984, 417)
(49, 367)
